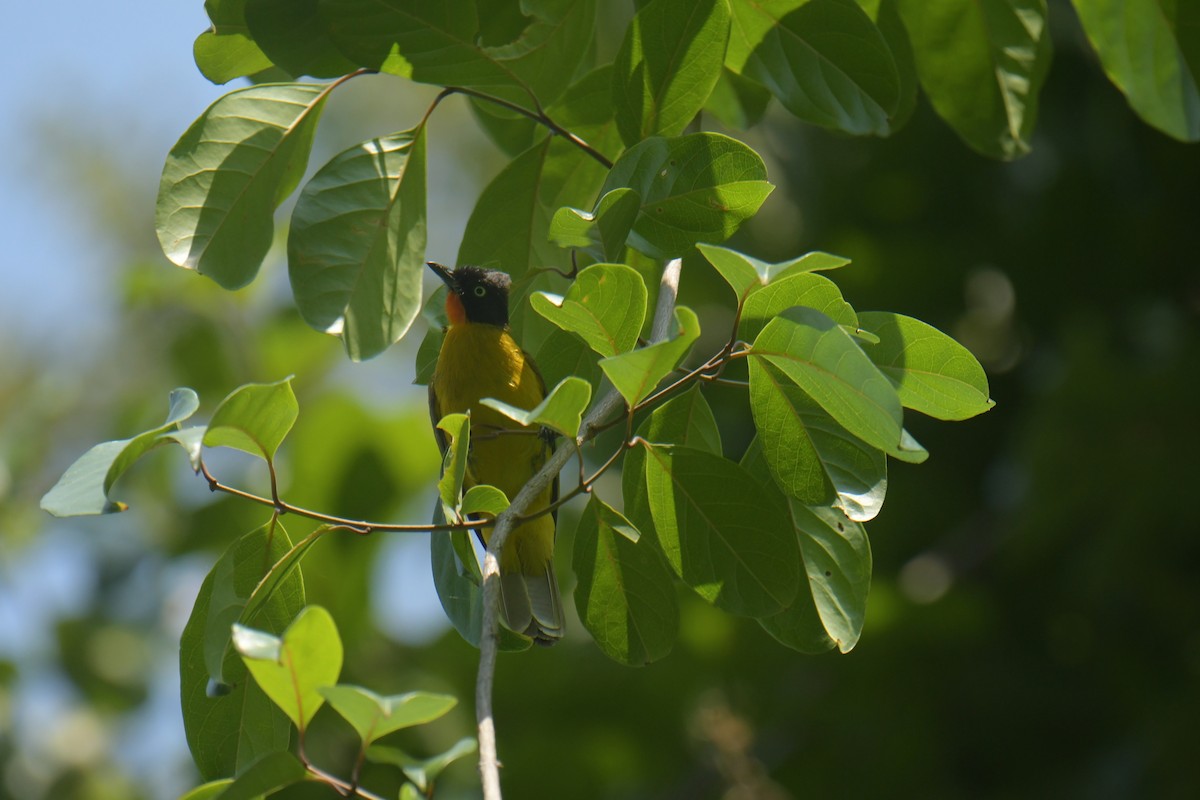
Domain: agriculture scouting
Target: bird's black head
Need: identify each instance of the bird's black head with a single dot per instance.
(476, 294)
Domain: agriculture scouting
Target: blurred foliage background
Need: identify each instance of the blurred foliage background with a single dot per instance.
(1034, 621)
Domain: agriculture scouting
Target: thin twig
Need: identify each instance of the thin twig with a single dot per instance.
(489, 765)
(340, 786)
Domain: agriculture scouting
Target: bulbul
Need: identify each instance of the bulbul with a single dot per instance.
(479, 358)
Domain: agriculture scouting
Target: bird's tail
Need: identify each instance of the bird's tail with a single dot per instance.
(531, 604)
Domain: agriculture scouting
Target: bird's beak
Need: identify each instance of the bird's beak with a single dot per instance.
(445, 273)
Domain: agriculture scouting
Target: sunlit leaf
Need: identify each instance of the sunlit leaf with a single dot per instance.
(669, 61)
(602, 231)
(254, 418)
(636, 373)
(695, 188)
(737, 101)
(227, 50)
(605, 306)
(454, 463)
(226, 175)
(824, 59)
(209, 791)
(982, 65)
(802, 289)
(561, 411)
(625, 595)
(356, 250)
(373, 716)
(743, 272)
(837, 560)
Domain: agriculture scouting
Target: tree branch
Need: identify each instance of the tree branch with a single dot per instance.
(489, 765)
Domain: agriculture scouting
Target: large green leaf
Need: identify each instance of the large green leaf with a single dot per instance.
(726, 536)
(695, 188)
(268, 774)
(824, 59)
(226, 175)
(227, 50)
(84, 488)
(801, 289)
(229, 726)
(982, 64)
(837, 560)
(811, 457)
(1151, 50)
(440, 43)
(814, 351)
(886, 17)
(356, 250)
(373, 716)
(561, 411)
(737, 101)
(605, 307)
(669, 61)
(254, 418)
(932, 373)
(292, 668)
(296, 38)
(744, 273)
(625, 595)
(636, 373)
(509, 226)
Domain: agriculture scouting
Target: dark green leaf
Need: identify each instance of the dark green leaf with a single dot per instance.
(744, 273)
(292, 668)
(737, 101)
(564, 354)
(226, 730)
(254, 418)
(669, 61)
(356, 250)
(695, 188)
(270, 773)
(725, 535)
(422, 771)
(454, 461)
(295, 37)
(811, 457)
(837, 559)
(373, 716)
(625, 595)
(605, 306)
(636, 373)
(1150, 50)
(887, 18)
(227, 174)
(982, 64)
(84, 488)
(561, 411)
(209, 791)
(814, 351)
(602, 231)
(227, 50)
(932, 373)
(824, 59)
(802, 289)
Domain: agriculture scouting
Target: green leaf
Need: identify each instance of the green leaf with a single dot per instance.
(84, 488)
(811, 457)
(438, 43)
(744, 273)
(726, 536)
(737, 101)
(230, 726)
(668, 63)
(564, 354)
(824, 59)
(602, 231)
(296, 37)
(932, 373)
(605, 306)
(292, 668)
(837, 560)
(814, 351)
(509, 226)
(457, 578)
(1150, 49)
(423, 772)
(373, 716)
(625, 593)
(209, 791)
(227, 50)
(886, 17)
(561, 411)
(227, 174)
(268, 774)
(254, 418)
(454, 461)
(636, 373)
(483, 499)
(695, 188)
(982, 64)
(801, 289)
(356, 250)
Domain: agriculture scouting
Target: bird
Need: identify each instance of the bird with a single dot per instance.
(479, 358)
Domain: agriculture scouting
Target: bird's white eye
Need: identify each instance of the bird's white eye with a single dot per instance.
(480, 291)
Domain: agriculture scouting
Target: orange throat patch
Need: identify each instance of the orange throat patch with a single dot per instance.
(454, 309)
